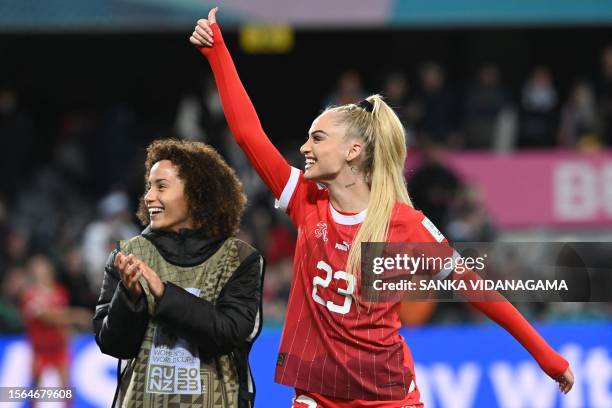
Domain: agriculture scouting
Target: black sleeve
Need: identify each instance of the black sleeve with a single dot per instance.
(119, 323)
(216, 328)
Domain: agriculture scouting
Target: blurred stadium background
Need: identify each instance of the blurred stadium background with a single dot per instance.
(507, 107)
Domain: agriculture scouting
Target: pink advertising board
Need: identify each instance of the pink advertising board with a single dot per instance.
(541, 189)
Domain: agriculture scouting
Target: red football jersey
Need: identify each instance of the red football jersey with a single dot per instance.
(332, 344)
(36, 300)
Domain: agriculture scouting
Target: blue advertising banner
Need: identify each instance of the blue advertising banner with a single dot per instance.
(456, 367)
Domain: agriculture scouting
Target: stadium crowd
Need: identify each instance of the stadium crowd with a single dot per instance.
(63, 209)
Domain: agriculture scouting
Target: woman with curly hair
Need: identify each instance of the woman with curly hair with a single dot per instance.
(182, 300)
(338, 349)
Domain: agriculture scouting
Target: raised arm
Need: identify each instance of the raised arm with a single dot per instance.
(497, 308)
(239, 110)
(490, 302)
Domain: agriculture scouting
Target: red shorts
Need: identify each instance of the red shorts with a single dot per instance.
(305, 399)
(47, 359)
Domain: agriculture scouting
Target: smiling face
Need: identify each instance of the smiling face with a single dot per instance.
(166, 200)
(328, 150)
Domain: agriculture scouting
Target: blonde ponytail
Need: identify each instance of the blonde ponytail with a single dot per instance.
(383, 165)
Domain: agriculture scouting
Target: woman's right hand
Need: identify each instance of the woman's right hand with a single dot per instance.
(127, 267)
(203, 34)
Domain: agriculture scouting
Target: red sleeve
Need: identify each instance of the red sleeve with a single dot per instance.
(506, 315)
(497, 308)
(299, 197)
(242, 118)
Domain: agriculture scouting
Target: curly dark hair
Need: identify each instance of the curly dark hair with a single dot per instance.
(214, 192)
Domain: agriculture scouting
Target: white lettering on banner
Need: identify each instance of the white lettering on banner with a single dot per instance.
(598, 367)
(606, 177)
(442, 385)
(17, 356)
(581, 191)
(521, 385)
(575, 187)
(423, 381)
(90, 375)
(524, 386)
(574, 399)
(456, 391)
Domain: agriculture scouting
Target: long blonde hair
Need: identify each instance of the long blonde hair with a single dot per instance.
(383, 166)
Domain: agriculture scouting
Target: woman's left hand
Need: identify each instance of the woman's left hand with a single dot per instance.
(156, 286)
(566, 381)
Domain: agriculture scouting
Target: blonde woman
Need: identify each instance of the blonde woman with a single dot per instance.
(338, 350)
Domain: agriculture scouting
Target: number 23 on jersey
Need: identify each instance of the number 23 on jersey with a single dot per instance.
(318, 281)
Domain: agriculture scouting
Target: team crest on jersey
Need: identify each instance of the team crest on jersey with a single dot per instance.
(321, 231)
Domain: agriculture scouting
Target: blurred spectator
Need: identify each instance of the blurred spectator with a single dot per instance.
(577, 125)
(16, 248)
(47, 316)
(433, 186)
(69, 155)
(281, 243)
(16, 141)
(349, 89)
(47, 204)
(275, 239)
(188, 118)
(101, 235)
(396, 90)
(399, 95)
(112, 150)
(468, 220)
(76, 281)
(199, 115)
(259, 222)
(13, 281)
(538, 110)
(485, 102)
(276, 290)
(5, 231)
(437, 123)
(251, 182)
(10, 320)
(604, 95)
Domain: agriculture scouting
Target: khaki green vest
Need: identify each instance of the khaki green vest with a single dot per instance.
(219, 379)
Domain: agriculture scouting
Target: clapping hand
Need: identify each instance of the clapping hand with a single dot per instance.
(129, 273)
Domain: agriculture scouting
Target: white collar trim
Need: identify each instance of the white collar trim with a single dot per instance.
(347, 219)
